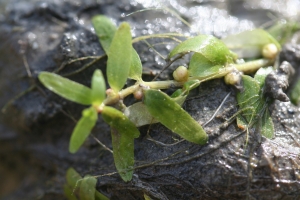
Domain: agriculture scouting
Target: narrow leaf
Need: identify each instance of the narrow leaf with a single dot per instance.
(72, 177)
(71, 188)
(66, 88)
(213, 49)
(105, 30)
(295, 93)
(249, 97)
(123, 133)
(100, 196)
(283, 30)
(261, 75)
(83, 129)
(98, 88)
(267, 126)
(69, 192)
(248, 44)
(119, 58)
(135, 71)
(88, 188)
(170, 114)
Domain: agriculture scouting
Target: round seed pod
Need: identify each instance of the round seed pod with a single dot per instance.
(234, 78)
(270, 51)
(138, 94)
(181, 74)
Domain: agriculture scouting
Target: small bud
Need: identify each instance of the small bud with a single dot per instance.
(180, 74)
(138, 94)
(234, 78)
(270, 51)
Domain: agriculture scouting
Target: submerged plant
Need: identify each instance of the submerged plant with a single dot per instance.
(212, 58)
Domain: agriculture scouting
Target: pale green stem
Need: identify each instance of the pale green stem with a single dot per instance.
(248, 67)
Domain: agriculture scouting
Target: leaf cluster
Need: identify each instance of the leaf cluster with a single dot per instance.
(212, 58)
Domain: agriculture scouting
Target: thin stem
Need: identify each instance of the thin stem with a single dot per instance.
(252, 66)
(245, 67)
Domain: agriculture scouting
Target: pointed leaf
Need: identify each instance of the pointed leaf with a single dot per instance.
(71, 188)
(83, 128)
(249, 97)
(213, 49)
(119, 58)
(283, 30)
(98, 88)
(72, 177)
(249, 44)
(66, 88)
(135, 71)
(69, 192)
(100, 196)
(267, 126)
(123, 133)
(88, 188)
(295, 93)
(170, 114)
(261, 75)
(105, 30)
(139, 114)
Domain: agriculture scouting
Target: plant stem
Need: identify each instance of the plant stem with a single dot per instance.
(248, 67)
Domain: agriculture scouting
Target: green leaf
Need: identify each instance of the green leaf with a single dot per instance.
(98, 88)
(119, 58)
(267, 126)
(249, 44)
(295, 93)
(72, 177)
(71, 188)
(66, 88)
(135, 71)
(99, 196)
(83, 128)
(123, 133)
(254, 105)
(171, 115)
(69, 192)
(249, 97)
(283, 30)
(261, 75)
(105, 30)
(139, 115)
(212, 49)
(87, 188)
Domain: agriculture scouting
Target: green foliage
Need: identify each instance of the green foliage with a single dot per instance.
(170, 114)
(87, 188)
(211, 59)
(254, 105)
(209, 52)
(249, 44)
(135, 71)
(119, 58)
(105, 31)
(83, 129)
(123, 132)
(98, 88)
(66, 88)
(283, 30)
(78, 188)
(295, 93)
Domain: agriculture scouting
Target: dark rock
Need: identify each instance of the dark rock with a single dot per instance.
(36, 127)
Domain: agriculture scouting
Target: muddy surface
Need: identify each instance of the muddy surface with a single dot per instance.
(36, 126)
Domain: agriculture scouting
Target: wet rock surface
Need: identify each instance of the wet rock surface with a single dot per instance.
(36, 127)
